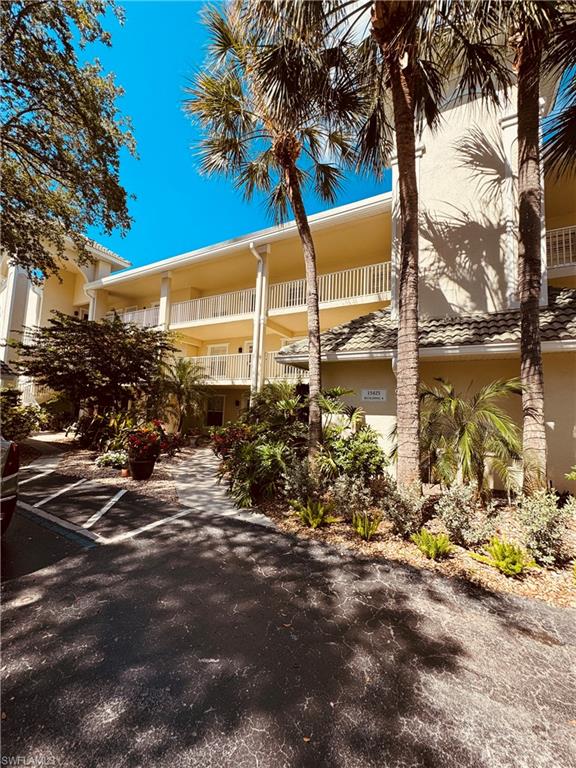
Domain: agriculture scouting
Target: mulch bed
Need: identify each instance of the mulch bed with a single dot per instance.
(81, 463)
(555, 586)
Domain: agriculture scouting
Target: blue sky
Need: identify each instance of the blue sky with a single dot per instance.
(160, 45)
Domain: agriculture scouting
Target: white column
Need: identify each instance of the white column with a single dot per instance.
(98, 304)
(260, 311)
(165, 304)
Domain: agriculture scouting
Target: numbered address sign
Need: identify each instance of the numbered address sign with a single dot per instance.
(374, 394)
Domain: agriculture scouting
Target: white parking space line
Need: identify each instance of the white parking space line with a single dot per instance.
(109, 504)
(35, 477)
(63, 523)
(149, 527)
(59, 493)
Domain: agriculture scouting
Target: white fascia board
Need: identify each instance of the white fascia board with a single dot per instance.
(343, 213)
(498, 348)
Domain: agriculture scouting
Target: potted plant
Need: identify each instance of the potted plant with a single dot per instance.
(144, 446)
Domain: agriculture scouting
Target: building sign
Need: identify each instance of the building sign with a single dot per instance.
(374, 394)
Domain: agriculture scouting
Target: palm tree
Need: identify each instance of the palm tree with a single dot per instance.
(462, 435)
(274, 117)
(560, 133)
(540, 34)
(183, 383)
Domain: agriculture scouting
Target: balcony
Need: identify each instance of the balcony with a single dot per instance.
(359, 285)
(145, 318)
(561, 247)
(235, 369)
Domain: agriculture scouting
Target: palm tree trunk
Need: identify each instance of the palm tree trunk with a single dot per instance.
(314, 352)
(407, 374)
(530, 269)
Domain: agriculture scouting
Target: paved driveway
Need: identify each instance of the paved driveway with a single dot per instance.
(214, 643)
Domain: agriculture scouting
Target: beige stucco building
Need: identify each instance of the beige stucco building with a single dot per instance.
(238, 307)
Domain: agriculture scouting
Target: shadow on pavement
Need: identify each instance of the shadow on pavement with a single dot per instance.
(226, 645)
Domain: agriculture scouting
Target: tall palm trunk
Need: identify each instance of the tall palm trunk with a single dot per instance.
(314, 352)
(529, 268)
(387, 21)
(407, 374)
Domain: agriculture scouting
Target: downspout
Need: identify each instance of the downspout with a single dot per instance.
(255, 361)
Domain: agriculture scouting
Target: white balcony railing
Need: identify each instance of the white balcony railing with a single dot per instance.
(145, 318)
(237, 368)
(561, 247)
(370, 280)
(226, 367)
(233, 304)
(348, 284)
(274, 371)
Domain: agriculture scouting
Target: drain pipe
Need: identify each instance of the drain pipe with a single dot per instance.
(256, 368)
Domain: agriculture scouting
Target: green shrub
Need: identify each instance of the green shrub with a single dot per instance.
(302, 482)
(58, 412)
(572, 474)
(508, 558)
(356, 454)
(460, 511)
(115, 459)
(434, 546)
(544, 524)
(18, 421)
(405, 510)
(314, 513)
(349, 496)
(366, 524)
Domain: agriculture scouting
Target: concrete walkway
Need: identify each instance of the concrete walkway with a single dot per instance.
(195, 475)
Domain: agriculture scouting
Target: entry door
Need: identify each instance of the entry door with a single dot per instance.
(215, 413)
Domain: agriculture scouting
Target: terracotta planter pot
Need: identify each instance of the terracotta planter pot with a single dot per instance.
(125, 472)
(141, 470)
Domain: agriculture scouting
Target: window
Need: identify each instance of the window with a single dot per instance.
(215, 411)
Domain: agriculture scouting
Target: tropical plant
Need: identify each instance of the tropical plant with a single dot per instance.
(366, 524)
(405, 510)
(356, 454)
(539, 38)
(275, 112)
(544, 523)
(144, 443)
(559, 133)
(434, 546)
(313, 513)
(466, 521)
(61, 132)
(461, 434)
(183, 382)
(508, 558)
(350, 496)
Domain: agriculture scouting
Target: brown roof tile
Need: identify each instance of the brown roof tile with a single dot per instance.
(378, 331)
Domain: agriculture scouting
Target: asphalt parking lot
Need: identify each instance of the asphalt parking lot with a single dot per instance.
(94, 510)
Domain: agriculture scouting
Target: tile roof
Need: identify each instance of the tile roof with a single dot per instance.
(378, 331)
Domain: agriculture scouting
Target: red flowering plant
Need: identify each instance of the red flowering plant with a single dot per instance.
(145, 443)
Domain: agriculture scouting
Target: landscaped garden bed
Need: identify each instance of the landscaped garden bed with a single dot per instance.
(554, 585)
(344, 493)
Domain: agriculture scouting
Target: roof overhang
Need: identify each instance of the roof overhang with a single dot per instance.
(334, 216)
(501, 349)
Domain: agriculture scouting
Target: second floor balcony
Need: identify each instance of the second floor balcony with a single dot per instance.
(366, 284)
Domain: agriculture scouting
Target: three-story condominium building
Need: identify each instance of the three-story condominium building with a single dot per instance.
(238, 308)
